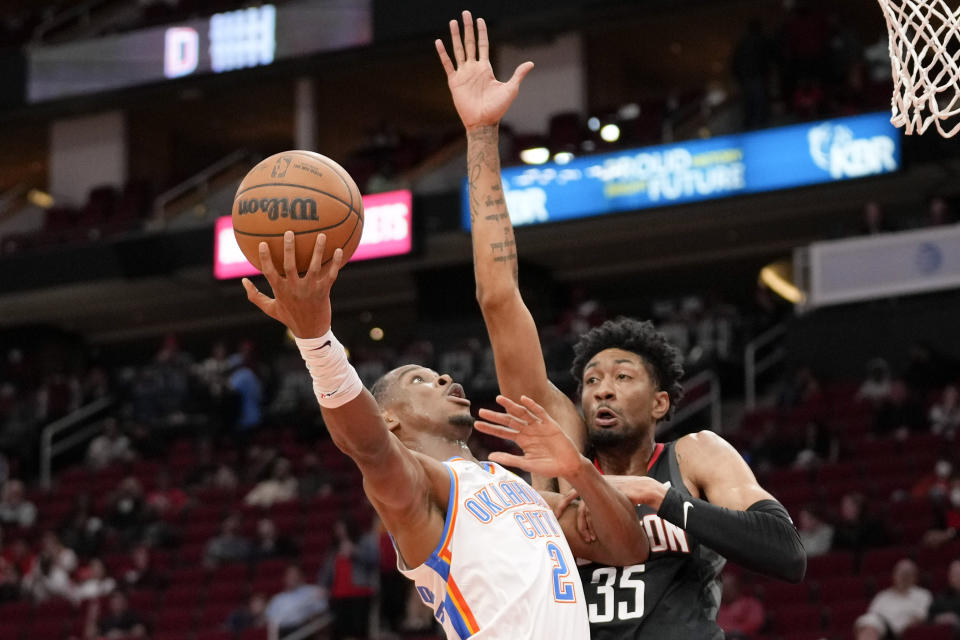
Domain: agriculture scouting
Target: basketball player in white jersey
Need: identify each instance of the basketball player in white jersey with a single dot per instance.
(485, 550)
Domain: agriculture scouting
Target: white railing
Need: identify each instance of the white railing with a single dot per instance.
(711, 398)
(308, 630)
(754, 367)
(199, 182)
(49, 450)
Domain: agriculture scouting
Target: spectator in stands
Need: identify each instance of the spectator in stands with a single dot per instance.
(269, 544)
(939, 212)
(46, 580)
(166, 501)
(229, 545)
(128, 514)
(244, 382)
(349, 575)
(109, 447)
(252, 615)
(925, 371)
(874, 221)
(94, 582)
(802, 387)
(946, 606)
(900, 414)
(946, 517)
(740, 615)
(876, 387)
(945, 413)
(313, 480)
(121, 621)
(141, 573)
(9, 582)
(895, 608)
(281, 486)
(819, 445)
(18, 554)
(936, 484)
(14, 507)
(53, 549)
(297, 603)
(815, 534)
(857, 529)
(81, 530)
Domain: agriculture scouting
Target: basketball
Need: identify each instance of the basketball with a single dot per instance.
(303, 192)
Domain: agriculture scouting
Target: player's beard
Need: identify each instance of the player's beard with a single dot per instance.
(461, 421)
(612, 439)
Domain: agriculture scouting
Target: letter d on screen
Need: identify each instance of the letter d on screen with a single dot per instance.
(181, 52)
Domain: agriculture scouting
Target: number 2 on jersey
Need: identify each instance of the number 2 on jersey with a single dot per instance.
(563, 590)
(604, 578)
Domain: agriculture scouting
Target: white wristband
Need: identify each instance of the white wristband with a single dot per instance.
(335, 381)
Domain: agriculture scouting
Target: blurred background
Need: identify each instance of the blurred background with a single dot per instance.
(725, 168)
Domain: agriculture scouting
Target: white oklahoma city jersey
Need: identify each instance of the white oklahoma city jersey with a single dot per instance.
(502, 570)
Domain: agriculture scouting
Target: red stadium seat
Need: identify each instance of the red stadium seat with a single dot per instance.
(834, 589)
(175, 620)
(928, 632)
(214, 634)
(835, 563)
(841, 616)
(879, 562)
(796, 616)
(774, 593)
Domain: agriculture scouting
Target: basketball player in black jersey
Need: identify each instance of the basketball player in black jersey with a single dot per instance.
(698, 500)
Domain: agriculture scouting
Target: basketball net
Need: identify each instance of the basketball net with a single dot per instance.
(925, 58)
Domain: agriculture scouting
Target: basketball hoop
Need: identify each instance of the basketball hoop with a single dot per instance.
(925, 59)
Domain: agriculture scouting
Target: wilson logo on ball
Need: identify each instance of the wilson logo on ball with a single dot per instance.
(273, 208)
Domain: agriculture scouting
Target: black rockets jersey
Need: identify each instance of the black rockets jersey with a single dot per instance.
(674, 595)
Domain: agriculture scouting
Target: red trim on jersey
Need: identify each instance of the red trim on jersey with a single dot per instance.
(657, 450)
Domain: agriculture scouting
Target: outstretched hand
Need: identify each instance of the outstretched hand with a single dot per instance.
(480, 98)
(547, 450)
(302, 303)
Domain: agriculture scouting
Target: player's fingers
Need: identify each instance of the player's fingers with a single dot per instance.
(582, 525)
(315, 270)
(565, 501)
(494, 430)
(508, 460)
(518, 411)
(589, 523)
(520, 73)
(336, 262)
(290, 256)
(496, 417)
(457, 45)
(535, 409)
(254, 295)
(469, 38)
(267, 268)
(444, 58)
(483, 42)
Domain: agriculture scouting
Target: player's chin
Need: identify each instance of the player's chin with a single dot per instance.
(461, 420)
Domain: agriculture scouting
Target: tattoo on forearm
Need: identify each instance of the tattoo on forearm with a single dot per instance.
(490, 207)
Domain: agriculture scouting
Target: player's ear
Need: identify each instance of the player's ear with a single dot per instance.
(390, 419)
(661, 404)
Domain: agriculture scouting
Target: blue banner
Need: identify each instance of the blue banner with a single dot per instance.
(781, 158)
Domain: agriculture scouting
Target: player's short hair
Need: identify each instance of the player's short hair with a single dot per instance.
(663, 361)
(381, 388)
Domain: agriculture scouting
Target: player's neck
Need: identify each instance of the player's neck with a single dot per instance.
(441, 448)
(626, 461)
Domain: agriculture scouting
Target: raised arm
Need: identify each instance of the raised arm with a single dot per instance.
(619, 537)
(481, 101)
(395, 479)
